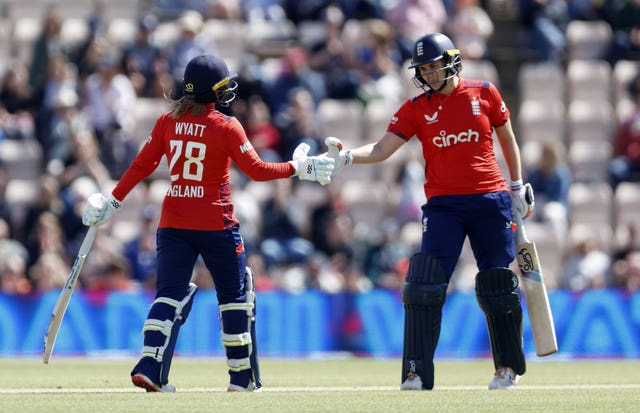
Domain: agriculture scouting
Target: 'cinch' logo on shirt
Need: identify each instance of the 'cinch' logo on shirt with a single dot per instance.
(445, 140)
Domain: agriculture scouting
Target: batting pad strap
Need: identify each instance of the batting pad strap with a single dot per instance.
(239, 364)
(153, 352)
(164, 326)
(237, 306)
(236, 340)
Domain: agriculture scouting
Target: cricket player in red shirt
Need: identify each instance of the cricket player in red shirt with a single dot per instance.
(467, 196)
(197, 219)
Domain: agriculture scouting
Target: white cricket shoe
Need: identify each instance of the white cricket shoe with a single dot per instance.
(505, 379)
(412, 382)
(140, 380)
(251, 387)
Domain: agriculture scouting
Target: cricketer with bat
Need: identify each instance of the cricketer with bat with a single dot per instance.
(467, 196)
(197, 220)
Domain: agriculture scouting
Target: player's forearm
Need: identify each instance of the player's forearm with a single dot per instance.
(378, 151)
(510, 151)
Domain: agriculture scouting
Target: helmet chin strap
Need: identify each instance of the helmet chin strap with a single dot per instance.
(444, 84)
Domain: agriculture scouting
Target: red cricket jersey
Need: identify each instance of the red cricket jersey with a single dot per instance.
(456, 133)
(199, 150)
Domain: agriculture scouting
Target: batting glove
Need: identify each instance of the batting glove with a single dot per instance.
(311, 168)
(99, 209)
(342, 157)
(522, 200)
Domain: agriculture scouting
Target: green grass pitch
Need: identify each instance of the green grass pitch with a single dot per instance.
(317, 385)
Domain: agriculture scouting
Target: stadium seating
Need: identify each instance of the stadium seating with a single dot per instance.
(541, 121)
(22, 159)
(588, 39)
(627, 203)
(342, 118)
(590, 121)
(481, 70)
(591, 204)
(589, 160)
(589, 80)
(541, 81)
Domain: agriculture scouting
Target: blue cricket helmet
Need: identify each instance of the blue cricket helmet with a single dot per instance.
(208, 80)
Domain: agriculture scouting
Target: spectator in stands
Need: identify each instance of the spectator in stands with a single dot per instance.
(383, 252)
(61, 74)
(413, 18)
(624, 18)
(84, 161)
(63, 123)
(13, 276)
(5, 209)
(141, 251)
(142, 61)
(74, 199)
(298, 11)
(625, 165)
(378, 59)
(334, 233)
(11, 248)
(16, 107)
(47, 45)
(330, 57)
(188, 46)
(110, 99)
(550, 180)
(112, 275)
(49, 200)
(264, 136)
(294, 73)
(545, 22)
(470, 28)
(49, 272)
(587, 266)
(282, 241)
(297, 123)
(625, 259)
(410, 181)
(626, 272)
(48, 236)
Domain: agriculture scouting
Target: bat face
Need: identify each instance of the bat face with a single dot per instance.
(527, 258)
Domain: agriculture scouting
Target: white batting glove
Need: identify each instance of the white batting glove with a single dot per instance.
(311, 168)
(522, 200)
(99, 209)
(342, 157)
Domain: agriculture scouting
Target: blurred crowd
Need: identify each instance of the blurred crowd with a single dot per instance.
(77, 104)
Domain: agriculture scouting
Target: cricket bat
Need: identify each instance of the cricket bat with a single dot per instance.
(65, 295)
(535, 293)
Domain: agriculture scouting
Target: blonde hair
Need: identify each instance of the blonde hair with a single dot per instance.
(187, 104)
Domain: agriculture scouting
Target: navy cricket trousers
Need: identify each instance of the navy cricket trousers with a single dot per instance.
(222, 252)
(485, 218)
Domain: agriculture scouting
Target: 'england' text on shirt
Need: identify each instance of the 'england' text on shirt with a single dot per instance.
(186, 191)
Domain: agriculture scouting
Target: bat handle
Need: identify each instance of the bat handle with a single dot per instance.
(521, 231)
(88, 240)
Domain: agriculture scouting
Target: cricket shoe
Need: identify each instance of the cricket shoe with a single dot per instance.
(251, 387)
(505, 379)
(142, 381)
(412, 382)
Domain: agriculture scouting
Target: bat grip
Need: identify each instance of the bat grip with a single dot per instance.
(521, 231)
(88, 240)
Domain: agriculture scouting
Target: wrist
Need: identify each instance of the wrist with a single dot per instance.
(348, 158)
(516, 185)
(296, 167)
(113, 201)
